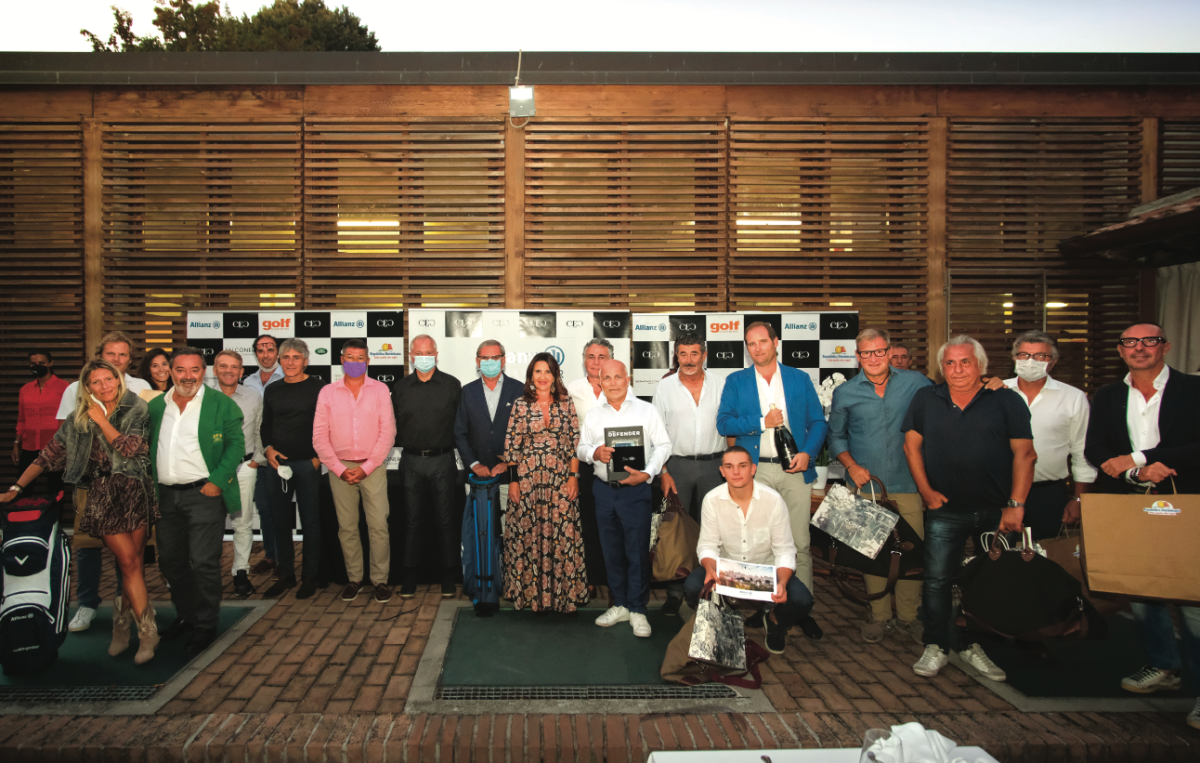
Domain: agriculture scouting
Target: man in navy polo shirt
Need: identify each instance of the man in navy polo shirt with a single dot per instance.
(970, 451)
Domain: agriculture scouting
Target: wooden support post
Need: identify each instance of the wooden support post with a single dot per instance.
(939, 147)
(514, 217)
(93, 235)
(1150, 146)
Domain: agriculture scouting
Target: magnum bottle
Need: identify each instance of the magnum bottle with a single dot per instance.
(785, 444)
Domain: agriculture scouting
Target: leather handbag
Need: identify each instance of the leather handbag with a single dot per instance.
(1066, 551)
(902, 556)
(673, 556)
(1021, 594)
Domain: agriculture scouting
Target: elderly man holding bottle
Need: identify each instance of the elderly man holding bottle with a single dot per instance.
(760, 407)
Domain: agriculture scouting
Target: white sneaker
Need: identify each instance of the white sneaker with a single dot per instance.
(931, 662)
(1194, 716)
(82, 620)
(1150, 679)
(974, 656)
(641, 626)
(613, 616)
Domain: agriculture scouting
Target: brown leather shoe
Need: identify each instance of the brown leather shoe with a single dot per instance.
(264, 566)
(350, 592)
(383, 593)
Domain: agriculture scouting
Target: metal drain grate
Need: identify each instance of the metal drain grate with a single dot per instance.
(63, 694)
(508, 693)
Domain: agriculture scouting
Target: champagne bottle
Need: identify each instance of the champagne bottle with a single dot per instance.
(785, 444)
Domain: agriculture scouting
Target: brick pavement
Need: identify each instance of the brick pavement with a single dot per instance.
(325, 680)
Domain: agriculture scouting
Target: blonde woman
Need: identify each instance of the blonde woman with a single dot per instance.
(103, 447)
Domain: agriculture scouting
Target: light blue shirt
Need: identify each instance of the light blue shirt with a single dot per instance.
(868, 426)
(254, 380)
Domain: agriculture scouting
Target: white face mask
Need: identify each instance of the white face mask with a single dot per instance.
(1032, 370)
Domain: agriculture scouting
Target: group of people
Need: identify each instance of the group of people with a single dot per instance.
(165, 453)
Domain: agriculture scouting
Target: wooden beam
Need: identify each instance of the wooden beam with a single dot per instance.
(514, 217)
(630, 100)
(939, 149)
(93, 233)
(1148, 295)
(259, 103)
(1071, 102)
(764, 101)
(407, 100)
(32, 102)
(1151, 135)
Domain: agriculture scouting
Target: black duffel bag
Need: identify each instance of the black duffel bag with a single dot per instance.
(1021, 594)
(902, 556)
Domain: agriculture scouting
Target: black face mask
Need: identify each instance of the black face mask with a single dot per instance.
(38, 370)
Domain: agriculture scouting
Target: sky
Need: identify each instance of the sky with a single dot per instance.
(1107, 26)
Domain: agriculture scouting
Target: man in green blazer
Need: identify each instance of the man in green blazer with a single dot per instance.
(196, 444)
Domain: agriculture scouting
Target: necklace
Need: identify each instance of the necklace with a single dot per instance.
(880, 383)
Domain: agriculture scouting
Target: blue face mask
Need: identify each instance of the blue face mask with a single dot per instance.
(424, 363)
(354, 368)
(489, 368)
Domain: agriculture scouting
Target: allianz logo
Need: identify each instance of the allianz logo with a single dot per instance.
(800, 326)
(659, 327)
(349, 324)
(204, 325)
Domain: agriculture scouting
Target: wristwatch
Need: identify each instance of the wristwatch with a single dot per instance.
(574, 474)
(17, 488)
(1014, 504)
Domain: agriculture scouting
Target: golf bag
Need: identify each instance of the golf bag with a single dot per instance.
(481, 545)
(37, 584)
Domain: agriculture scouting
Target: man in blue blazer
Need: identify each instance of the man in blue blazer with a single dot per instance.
(746, 413)
(482, 420)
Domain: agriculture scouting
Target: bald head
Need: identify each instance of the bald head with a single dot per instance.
(614, 380)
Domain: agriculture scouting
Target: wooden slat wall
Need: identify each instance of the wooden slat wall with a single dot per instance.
(1179, 157)
(1015, 188)
(401, 214)
(41, 247)
(627, 214)
(198, 216)
(832, 214)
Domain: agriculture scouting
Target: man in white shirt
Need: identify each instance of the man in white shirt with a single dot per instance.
(1059, 417)
(623, 504)
(266, 352)
(228, 367)
(748, 522)
(687, 402)
(117, 348)
(585, 394)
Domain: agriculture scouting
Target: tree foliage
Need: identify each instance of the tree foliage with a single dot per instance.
(287, 25)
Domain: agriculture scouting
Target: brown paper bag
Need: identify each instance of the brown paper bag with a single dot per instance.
(1065, 552)
(674, 555)
(1142, 546)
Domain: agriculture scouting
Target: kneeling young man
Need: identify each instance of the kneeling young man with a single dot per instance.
(748, 522)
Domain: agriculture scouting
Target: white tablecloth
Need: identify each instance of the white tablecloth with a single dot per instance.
(845, 755)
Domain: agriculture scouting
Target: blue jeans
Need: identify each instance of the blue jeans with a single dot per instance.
(304, 485)
(1158, 635)
(799, 599)
(623, 517)
(946, 534)
(262, 501)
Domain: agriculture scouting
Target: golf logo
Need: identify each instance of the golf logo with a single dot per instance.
(1161, 509)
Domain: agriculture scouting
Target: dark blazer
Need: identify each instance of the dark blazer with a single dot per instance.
(1179, 433)
(476, 435)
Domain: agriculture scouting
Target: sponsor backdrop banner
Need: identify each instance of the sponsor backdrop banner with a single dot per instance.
(819, 343)
(524, 333)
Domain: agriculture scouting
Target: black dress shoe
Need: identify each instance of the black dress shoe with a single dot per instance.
(175, 629)
(242, 585)
(200, 640)
(306, 590)
(671, 606)
(279, 586)
(810, 628)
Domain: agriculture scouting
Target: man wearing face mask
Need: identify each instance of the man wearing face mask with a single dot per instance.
(352, 434)
(37, 404)
(425, 403)
(482, 419)
(1059, 416)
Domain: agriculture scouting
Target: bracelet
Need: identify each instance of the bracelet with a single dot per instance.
(1133, 474)
(574, 474)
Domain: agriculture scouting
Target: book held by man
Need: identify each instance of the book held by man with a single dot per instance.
(628, 450)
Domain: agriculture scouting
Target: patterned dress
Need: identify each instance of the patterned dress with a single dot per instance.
(116, 504)
(543, 545)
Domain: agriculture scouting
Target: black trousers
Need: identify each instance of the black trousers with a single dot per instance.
(189, 547)
(1044, 507)
(430, 495)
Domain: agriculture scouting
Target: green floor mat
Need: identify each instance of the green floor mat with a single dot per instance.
(1079, 668)
(83, 658)
(522, 649)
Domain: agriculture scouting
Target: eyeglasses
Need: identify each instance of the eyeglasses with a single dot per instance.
(1041, 357)
(489, 357)
(868, 353)
(1147, 341)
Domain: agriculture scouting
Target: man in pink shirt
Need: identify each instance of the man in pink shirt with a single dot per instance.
(353, 432)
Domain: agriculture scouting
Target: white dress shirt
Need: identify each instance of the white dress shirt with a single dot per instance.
(66, 408)
(691, 426)
(179, 459)
(1059, 417)
(581, 394)
(634, 412)
(763, 535)
(1141, 416)
(769, 394)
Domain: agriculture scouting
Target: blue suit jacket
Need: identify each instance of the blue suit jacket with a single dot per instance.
(476, 435)
(740, 415)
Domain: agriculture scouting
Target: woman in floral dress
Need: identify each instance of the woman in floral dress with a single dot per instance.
(543, 545)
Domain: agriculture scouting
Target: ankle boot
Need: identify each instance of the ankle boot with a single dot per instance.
(122, 627)
(147, 636)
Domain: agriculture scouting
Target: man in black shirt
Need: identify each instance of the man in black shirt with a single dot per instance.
(970, 451)
(426, 402)
(289, 408)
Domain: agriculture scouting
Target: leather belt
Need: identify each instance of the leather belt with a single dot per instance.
(769, 460)
(247, 457)
(185, 486)
(427, 453)
(708, 457)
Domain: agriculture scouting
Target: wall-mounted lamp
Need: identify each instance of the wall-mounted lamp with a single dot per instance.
(520, 101)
